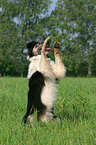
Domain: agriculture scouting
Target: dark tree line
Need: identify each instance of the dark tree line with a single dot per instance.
(72, 23)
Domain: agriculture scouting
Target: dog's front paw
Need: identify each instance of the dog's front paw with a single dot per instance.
(56, 46)
(44, 44)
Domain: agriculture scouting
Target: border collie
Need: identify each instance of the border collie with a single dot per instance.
(42, 75)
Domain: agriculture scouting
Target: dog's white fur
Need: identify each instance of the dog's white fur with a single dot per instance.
(50, 71)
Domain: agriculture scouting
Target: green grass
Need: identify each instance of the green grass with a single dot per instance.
(75, 105)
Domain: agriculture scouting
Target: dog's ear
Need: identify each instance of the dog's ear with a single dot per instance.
(31, 44)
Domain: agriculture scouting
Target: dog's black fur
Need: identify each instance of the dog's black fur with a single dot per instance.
(36, 83)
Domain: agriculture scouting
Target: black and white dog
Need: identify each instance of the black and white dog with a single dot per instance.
(42, 76)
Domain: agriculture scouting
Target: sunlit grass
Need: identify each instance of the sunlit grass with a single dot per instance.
(75, 105)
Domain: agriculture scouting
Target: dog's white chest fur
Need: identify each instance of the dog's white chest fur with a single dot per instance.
(35, 65)
(49, 93)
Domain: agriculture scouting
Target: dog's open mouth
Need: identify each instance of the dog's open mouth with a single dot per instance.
(49, 49)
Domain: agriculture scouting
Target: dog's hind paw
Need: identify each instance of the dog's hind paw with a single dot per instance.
(24, 120)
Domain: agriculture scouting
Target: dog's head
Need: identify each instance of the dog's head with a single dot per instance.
(35, 47)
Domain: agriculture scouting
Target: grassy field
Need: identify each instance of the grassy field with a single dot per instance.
(75, 105)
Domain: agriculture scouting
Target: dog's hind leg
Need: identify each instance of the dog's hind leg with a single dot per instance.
(29, 106)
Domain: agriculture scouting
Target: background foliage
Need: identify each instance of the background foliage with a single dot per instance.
(72, 23)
